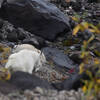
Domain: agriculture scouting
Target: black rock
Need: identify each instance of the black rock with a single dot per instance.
(75, 56)
(1, 23)
(21, 81)
(74, 82)
(9, 34)
(6, 87)
(58, 57)
(36, 16)
(21, 34)
(91, 1)
(38, 42)
(24, 81)
(12, 36)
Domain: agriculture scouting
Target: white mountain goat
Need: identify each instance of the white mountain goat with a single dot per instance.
(25, 60)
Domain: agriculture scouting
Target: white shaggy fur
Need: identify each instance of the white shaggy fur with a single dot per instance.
(18, 48)
(24, 60)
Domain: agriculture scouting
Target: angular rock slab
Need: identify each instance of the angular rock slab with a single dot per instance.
(58, 57)
(36, 16)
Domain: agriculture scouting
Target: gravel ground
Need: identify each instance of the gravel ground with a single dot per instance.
(42, 94)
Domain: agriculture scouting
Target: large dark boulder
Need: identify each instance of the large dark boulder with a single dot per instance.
(74, 82)
(36, 16)
(23, 80)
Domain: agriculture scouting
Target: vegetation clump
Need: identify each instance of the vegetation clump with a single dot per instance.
(90, 62)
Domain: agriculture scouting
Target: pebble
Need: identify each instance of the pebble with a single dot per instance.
(39, 90)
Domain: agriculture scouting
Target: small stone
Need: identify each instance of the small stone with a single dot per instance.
(43, 98)
(71, 98)
(52, 93)
(2, 97)
(72, 47)
(28, 92)
(61, 97)
(36, 98)
(71, 92)
(62, 92)
(39, 90)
